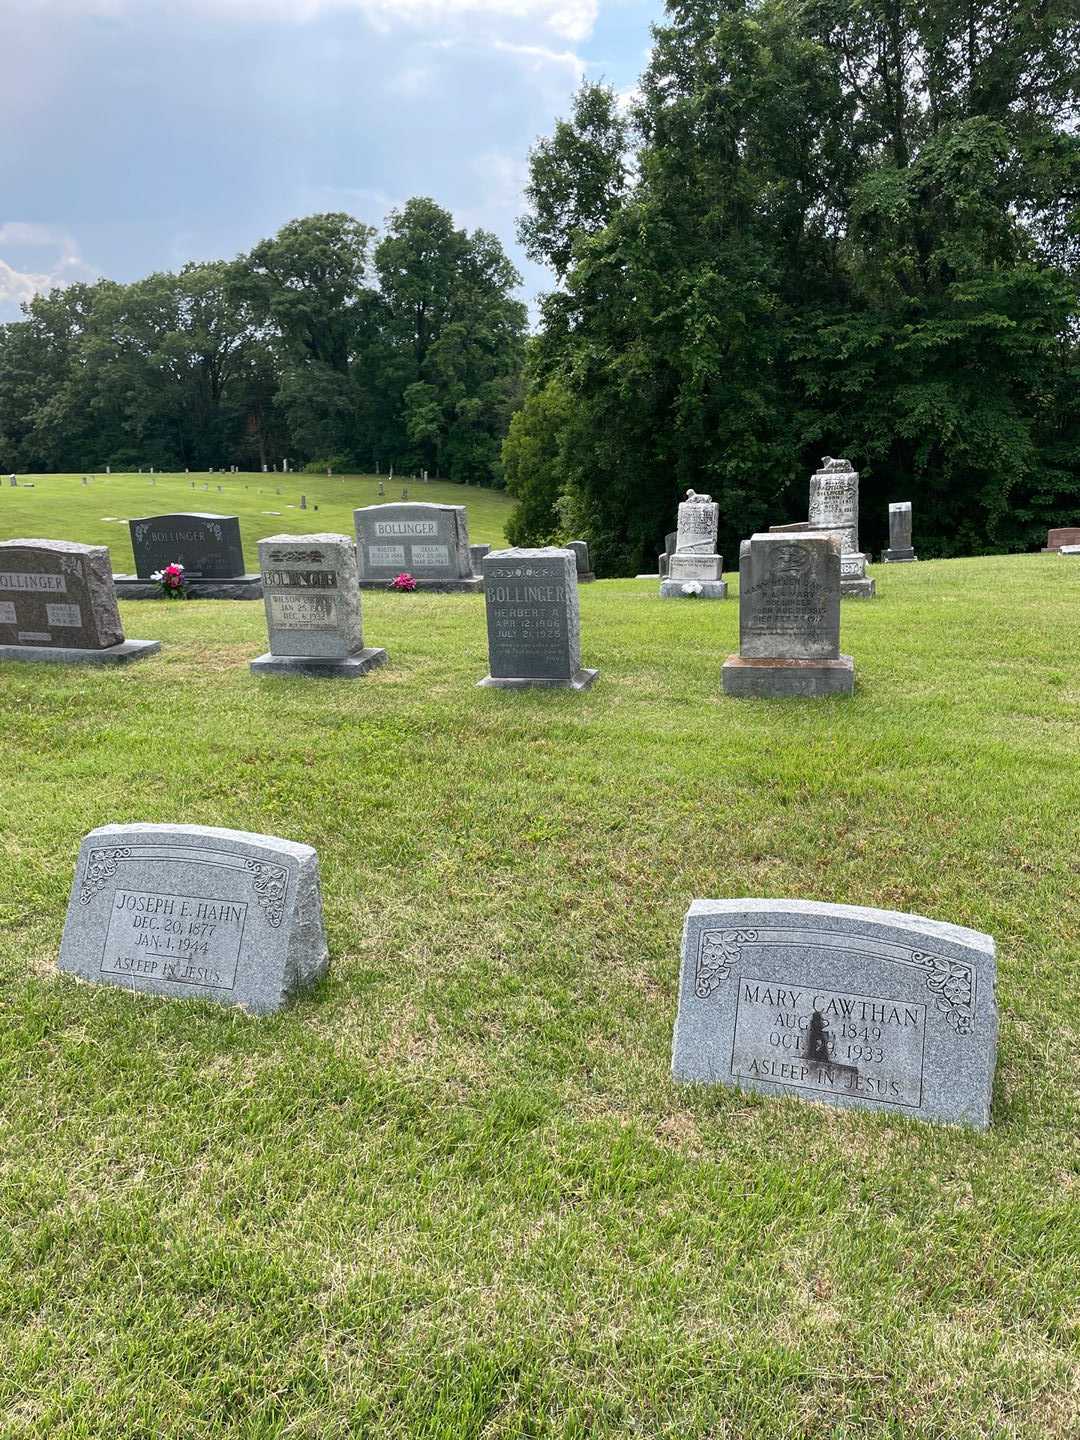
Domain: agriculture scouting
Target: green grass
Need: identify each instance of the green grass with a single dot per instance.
(453, 1194)
(60, 507)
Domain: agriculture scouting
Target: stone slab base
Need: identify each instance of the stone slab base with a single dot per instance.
(587, 578)
(474, 585)
(710, 589)
(581, 681)
(121, 654)
(351, 668)
(898, 557)
(651, 575)
(239, 587)
(857, 589)
(775, 679)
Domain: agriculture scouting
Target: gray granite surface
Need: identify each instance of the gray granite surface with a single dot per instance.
(57, 595)
(532, 617)
(121, 654)
(207, 545)
(767, 679)
(352, 667)
(311, 597)
(705, 589)
(789, 597)
(428, 542)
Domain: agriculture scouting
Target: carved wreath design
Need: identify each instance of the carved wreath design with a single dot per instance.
(271, 882)
(312, 557)
(952, 982)
(100, 868)
(717, 953)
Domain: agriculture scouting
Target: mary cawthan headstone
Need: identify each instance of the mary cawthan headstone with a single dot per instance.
(534, 634)
(313, 608)
(789, 619)
(428, 542)
(57, 603)
(900, 551)
(191, 910)
(695, 569)
(873, 1009)
(207, 545)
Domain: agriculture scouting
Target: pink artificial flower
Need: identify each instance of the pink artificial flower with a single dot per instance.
(174, 569)
(404, 581)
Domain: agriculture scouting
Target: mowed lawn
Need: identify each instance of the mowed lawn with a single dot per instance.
(453, 1193)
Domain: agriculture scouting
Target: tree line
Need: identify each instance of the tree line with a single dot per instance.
(846, 227)
(327, 344)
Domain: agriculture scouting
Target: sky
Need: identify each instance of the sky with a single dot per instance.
(140, 134)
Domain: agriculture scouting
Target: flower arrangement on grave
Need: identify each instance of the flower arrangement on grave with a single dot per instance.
(692, 587)
(404, 581)
(171, 581)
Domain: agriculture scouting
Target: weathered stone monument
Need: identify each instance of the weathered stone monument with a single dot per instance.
(313, 608)
(532, 619)
(585, 573)
(695, 569)
(207, 545)
(834, 507)
(871, 1009)
(476, 556)
(789, 619)
(900, 551)
(1066, 535)
(57, 603)
(429, 542)
(193, 911)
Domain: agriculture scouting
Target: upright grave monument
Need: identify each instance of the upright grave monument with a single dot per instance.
(532, 619)
(57, 603)
(313, 608)
(585, 572)
(1067, 535)
(207, 546)
(428, 542)
(476, 556)
(789, 619)
(834, 507)
(695, 569)
(900, 551)
(871, 1009)
(194, 911)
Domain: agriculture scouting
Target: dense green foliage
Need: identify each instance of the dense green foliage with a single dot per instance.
(850, 228)
(320, 344)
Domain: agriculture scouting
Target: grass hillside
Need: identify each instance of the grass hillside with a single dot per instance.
(61, 507)
(453, 1193)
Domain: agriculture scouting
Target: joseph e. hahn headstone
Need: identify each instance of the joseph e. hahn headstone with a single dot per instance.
(191, 910)
(57, 603)
(532, 618)
(859, 1007)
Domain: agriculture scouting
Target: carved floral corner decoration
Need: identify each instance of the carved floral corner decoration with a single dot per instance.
(271, 883)
(100, 868)
(717, 953)
(953, 983)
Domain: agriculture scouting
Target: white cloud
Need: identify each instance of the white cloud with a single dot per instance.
(62, 268)
(539, 57)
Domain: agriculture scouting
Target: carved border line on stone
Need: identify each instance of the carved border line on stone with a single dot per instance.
(952, 981)
(271, 881)
(100, 868)
(311, 557)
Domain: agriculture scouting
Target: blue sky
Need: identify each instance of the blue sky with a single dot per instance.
(139, 134)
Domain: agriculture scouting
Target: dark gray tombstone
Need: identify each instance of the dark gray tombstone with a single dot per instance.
(532, 620)
(207, 545)
(871, 1009)
(57, 603)
(900, 551)
(313, 608)
(193, 911)
(476, 556)
(789, 619)
(580, 550)
(428, 542)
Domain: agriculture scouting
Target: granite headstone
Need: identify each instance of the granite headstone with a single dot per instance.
(207, 545)
(428, 542)
(871, 1009)
(1065, 535)
(580, 549)
(695, 569)
(900, 551)
(532, 620)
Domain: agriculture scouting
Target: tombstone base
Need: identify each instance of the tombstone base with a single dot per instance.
(898, 557)
(350, 668)
(581, 681)
(585, 577)
(236, 587)
(471, 585)
(775, 679)
(121, 654)
(675, 589)
(864, 589)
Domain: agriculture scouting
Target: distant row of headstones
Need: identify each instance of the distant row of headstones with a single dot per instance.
(858, 1007)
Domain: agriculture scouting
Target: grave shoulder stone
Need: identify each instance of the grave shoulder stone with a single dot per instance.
(57, 603)
(194, 911)
(206, 544)
(427, 541)
(313, 608)
(900, 551)
(871, 1009)
(532, 620)
(695, 570)
(789, 619)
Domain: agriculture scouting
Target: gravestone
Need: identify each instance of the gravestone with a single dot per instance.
(476, 556)
(695, 569)
(14, 480)
(789, 619)
(870, 1009)
(191, 911)
(1067, 535)
(532, 620)
(57, 603)
(303, 502)
(900, 551)
(585, 572)
(207, 545)
(834, 509)
(429, 542)
(313, 608)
